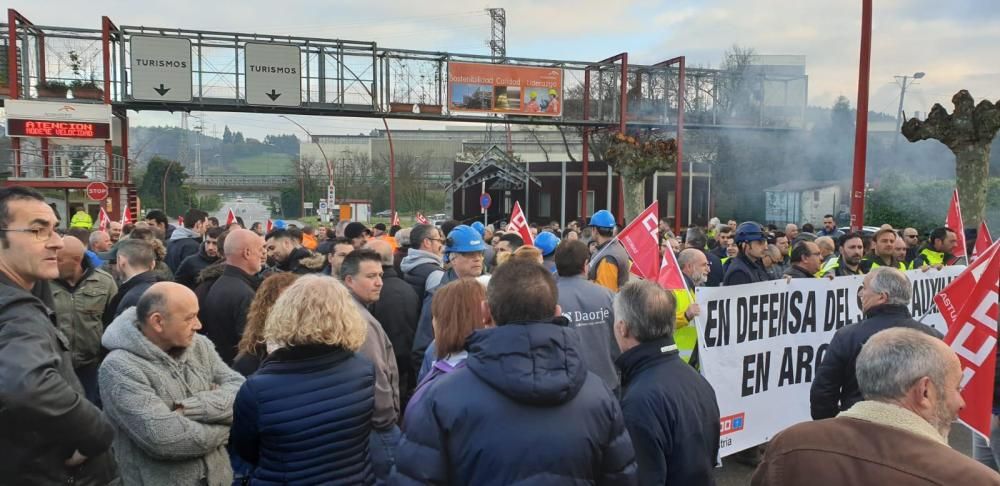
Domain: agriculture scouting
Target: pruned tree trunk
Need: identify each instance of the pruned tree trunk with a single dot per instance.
(968, 131)
(635, 197)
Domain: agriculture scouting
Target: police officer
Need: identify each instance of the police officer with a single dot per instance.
(610, 268)
(747, 267)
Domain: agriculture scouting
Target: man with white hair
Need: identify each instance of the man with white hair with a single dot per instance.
(885, 295)
(898, 435)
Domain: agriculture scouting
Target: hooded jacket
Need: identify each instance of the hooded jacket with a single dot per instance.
(183, 243)
(171, 414)
(524, 410)
(425, 325)
(187, 272)
(418, 266)
(297, 259)
(80, 312)
(835, 388)
(44, 416)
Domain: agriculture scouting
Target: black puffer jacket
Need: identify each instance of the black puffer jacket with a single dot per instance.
(835, 388)
(224, 313)
(129, 293)
(524, 410)
(742, 270)
(187, 273)
(44, 416)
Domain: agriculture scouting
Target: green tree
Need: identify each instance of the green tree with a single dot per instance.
(150, 187)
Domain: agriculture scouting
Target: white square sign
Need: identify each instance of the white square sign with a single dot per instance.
(273, 74)
(161, 68)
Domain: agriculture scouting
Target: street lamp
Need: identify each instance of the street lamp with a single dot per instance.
(902, 94)
(331, 190)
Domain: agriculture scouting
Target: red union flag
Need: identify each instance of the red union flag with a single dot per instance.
(519, 224)
(270, 226)
(395, 219)
(983, 241)
(954, 223)
(671, 277)
(231, 217)
(640, 240)
(103, 221)
(421, 219)
(126, 215)
(969, 306)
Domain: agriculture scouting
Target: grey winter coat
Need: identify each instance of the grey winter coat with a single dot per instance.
(588, 307)
(143, 389)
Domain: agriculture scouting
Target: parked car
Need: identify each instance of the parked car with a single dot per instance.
(865, 230)
(384, 214)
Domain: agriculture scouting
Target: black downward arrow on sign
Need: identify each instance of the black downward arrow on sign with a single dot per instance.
(274, 96)
(161, 90)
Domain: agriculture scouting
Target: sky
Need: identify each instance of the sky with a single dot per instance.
(956, 42)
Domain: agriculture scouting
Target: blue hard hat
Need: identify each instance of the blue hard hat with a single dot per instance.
(280, 224)
(464, 239)
(749, 231)
(546, 242)
(479, 227)
(603, 219)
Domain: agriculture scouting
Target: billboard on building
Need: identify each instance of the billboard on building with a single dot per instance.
(47, 119)
(502, 88)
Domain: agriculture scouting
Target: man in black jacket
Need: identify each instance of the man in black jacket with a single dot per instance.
(136, 263)
(397, 310)
(746, 267)
(185, 241)
(670, 410)
(806, 260)
(49, 433)
(286, 252)
(523, 409)
(208, 253)
(884, 299)
(225, 315)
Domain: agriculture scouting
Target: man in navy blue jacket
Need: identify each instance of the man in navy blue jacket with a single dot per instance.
(670, 410)
(524, 410)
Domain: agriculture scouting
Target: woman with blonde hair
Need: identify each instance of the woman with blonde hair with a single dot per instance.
(305, 416)
(457, 311)
(251, 349)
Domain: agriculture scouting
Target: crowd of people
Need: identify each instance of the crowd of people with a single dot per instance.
(157, 354)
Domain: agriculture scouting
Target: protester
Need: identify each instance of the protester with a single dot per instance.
(423, 266)
(465, 254)
(339, 248)
(287, 254)
(772, 262)
(527, 253)
(49, 433)
(224, 310)
(746, 267)
(99, 241)
(518, 413)
(885, 297)
(135, 263)
(115, 231)
(357, 233)
(167, 392)
(885, 252)
(830, 228)
(309, 240)
(361, 273)
(827, 247)
(305, 416)
(670, 410)
(899, 250)
(81, 293)
(806, 260)
(852, 250)
(397, 310)
(724, 238)
(186, 240)
(588, 308)
(912, 239)
(458, 311)
(610, 267)
(898, 435)
(696, 239)
(937, 253)
(208, 253)
(157, 220)
(80, 218)
(252, 348)
(694, 269)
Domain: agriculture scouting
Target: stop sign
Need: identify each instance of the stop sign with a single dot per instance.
(97, 191)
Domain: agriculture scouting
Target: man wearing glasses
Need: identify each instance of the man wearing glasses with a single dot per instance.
(912, 239)
(806, 260)
(48, 431)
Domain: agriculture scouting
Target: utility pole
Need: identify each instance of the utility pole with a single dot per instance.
(901, 80)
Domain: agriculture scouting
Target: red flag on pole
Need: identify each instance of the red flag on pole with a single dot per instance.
(954, 223)
(640, 240)
(969, 306)
(231, 217)
(671, 277)
(126, 215)
(395, 219)
(421, 219)
(270, 225)
(180, 220)
(983, 241)
(519, 224)
(103, 220)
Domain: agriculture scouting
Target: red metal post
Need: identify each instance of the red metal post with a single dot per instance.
(621, 126)
(13, 76)
(861, 126)
(392, 170)
(106, 27)
(678, 186)
(585, 145)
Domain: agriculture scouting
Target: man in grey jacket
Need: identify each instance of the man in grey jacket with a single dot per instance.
(589, 308)
(167, 392)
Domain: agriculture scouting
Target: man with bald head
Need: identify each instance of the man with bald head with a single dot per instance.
(694, 268)
(115, 231)
(224, 309)
(398, 311)
(80, 295)
(167, 392)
